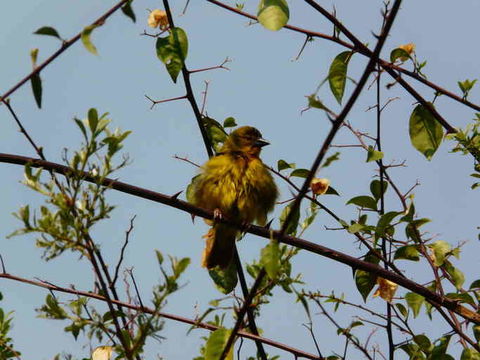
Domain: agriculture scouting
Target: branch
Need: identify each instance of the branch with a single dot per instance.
(264, 232)
(65, 45)
(323, 150)
(362, 50)
(188, 88)
(52, 287)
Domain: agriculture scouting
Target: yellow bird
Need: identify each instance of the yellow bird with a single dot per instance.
(235, 183)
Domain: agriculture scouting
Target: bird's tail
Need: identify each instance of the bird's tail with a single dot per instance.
(220, 244)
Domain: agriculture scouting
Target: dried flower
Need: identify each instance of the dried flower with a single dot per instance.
(319, 186)
(386, 289)
(158, 18)
(102, 353)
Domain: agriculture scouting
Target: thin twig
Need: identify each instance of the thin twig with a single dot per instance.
(155, 102)
(65, 46)
(122, 252)
(253, 229)
(147, 310)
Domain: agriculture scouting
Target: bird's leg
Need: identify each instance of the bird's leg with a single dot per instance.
(217, 214)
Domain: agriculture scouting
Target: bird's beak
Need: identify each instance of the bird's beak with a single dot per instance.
(261, 142)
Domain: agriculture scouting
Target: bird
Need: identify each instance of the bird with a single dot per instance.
(236, 184)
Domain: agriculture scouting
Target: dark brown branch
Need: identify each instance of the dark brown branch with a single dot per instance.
(208, 145)
(362, 50)
(55, 288)
(65, 46)
(188, 88)
(323, 150)
(256, 230)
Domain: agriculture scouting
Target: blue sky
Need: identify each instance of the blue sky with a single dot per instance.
(264, 88)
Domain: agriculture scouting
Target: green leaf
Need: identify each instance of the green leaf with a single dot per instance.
(413, 351)
(364, 280)
(159, 257)
(282, 165)
(337, 75)
(128, 11)
(466, 86)
(408, 252)
(383, 225)
(314, 102)
(475, 284)
(439, 351)
(331, 159)
(470, 354)
(414, 302)
(331, 191)
(400, 54)
(378, 189)
(273, 14)
(180, 266)
(303, 173)
(216, 343)
(292, 226)
(424, 343)
(172, 51)
(36, 83)
(216, 133)
(374, 155)
(462, 297)
(189, 194)
(85, 36)
(402, 309)
(270, 259)
(229, 122)
(92, 119)
(476, 332)
(440, 249)
(426, 133)
(354, 228)
(225, 279)
(49, 31)
(457, 276)
(363, 201)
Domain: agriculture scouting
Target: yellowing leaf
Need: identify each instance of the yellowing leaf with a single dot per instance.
(386, 289)
(273, 14)
(34, 56)
(86, 39)
(216, 343)
(270, 259)
(102, 353)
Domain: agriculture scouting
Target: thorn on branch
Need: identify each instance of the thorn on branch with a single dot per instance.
(221, 66)
(175, 196)
(155, 102)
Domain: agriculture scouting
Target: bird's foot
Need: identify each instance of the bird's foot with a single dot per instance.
(217, 214)
(244, 226)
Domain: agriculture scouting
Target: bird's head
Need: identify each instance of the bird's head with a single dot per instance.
(245, 139)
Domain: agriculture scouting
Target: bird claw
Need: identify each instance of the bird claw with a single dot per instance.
(217, 214)
(244, 226)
